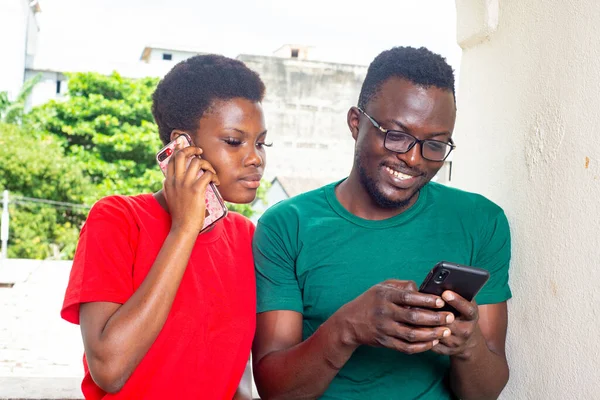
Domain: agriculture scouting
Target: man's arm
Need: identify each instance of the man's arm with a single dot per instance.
(391, 314)
(479, 369)
(287, 368)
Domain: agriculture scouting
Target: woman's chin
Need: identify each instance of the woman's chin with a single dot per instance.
(241, 198)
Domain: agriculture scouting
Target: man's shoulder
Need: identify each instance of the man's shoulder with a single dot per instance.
(462, 200)
(297, 206)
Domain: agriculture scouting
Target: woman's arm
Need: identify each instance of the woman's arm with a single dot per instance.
(116, 337)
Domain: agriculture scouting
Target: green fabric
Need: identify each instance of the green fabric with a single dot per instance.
(312, 256)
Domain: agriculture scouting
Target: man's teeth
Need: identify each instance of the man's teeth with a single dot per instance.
(397, 174)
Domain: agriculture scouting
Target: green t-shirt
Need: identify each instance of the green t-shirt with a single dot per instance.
(313, 256)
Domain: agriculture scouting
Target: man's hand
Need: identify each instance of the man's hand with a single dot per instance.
(465, 328)
(393, 314)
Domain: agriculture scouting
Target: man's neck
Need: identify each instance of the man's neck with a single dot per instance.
(355, 198)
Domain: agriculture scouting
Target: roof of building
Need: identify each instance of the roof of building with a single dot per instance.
(35, 6)
(157, 46)
(293, 186)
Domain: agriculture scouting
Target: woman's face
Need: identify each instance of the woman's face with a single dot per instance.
(232, 135)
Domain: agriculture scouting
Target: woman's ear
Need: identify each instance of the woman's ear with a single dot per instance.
(175, 133)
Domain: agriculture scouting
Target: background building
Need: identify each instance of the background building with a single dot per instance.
(19, 31)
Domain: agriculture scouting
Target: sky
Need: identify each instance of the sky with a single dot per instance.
(90, 33)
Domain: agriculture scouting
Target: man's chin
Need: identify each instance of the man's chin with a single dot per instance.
(395, 200)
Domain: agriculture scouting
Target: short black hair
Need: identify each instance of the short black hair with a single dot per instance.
(188, 91)
(419, 66)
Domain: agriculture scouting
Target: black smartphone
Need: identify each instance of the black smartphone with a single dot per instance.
(461, 279)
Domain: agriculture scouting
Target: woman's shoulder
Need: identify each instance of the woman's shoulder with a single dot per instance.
(239, 223)
(118, 201)
(121, 208)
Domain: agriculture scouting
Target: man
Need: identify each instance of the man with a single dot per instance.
(339, 314)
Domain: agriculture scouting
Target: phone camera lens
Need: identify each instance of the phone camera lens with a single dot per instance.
(441, 276)
(162, 156)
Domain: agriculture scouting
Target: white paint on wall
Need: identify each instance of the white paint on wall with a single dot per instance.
(478, 21)
(527, 138)
(14, 15)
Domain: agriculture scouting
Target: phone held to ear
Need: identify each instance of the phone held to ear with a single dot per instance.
(461, 279)
(215, 206)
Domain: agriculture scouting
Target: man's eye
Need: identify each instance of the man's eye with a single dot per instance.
(437, 146)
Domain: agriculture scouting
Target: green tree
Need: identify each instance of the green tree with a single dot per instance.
(99, 140)
(35, 167)
(106, 122)
(13, 111)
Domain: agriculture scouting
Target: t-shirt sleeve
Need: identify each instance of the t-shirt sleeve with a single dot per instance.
(494, 255)
(274, 260)
(103, 264)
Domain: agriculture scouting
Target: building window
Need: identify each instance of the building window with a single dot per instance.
(167, 56)
(58, 83)
(295, 53)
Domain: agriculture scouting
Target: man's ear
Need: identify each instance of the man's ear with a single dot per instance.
(353, 121)
(175, 133)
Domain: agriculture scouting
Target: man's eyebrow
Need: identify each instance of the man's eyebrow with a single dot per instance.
(434, 134)
(404, 128)
(400, 124)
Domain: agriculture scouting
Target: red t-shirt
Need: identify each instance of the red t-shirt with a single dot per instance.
(205, 343)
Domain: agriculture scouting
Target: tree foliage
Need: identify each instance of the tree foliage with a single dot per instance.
(37, 168)
(106, 122)
(12, 111)
(99, 140)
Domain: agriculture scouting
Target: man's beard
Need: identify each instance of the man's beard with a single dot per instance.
(377, 195)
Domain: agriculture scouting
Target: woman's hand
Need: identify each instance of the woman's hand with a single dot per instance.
(185, 190)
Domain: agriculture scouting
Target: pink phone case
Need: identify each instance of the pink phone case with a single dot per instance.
(215, 206)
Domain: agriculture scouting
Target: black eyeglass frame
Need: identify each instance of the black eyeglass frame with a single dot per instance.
(420, 142)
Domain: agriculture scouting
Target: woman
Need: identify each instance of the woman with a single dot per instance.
(166, 312)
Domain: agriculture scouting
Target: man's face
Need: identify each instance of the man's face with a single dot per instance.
(393, 180)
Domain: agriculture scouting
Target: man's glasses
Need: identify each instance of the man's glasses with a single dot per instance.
(402, 142)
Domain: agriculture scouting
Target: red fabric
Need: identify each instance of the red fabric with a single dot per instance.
(205, 343)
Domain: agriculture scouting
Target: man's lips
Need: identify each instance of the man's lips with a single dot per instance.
(401, 173)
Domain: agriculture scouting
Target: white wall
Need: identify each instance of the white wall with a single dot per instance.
(13, 39)
(306, 105)
(274, 195)
(527, 134)
(156, 56)
(46, 89)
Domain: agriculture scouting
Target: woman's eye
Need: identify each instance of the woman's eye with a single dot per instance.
(233, 142)
(261, 145)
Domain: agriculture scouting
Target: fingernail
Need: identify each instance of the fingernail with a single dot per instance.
(448, 296)
(447, 333)
(439, 303)
(450, 318)
(435, 342)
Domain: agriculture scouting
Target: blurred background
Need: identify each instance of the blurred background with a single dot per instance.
(75, 125)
